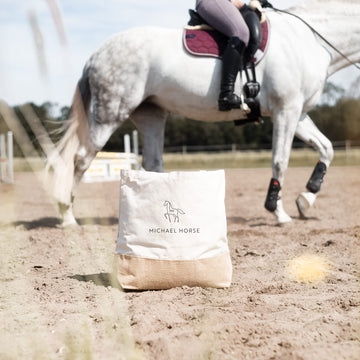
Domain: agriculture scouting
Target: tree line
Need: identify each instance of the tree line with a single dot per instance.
(338, 118)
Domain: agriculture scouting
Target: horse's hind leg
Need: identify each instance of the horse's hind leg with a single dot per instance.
(82, 161)
(310, 134)
(150, 120)
(99, 134)
(103, 124)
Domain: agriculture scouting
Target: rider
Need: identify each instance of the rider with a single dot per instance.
(224, 16)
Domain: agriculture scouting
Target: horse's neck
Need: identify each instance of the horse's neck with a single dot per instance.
(338, 21)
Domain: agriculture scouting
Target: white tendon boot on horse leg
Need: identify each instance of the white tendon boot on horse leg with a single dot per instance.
(67, 216)
(282, 217)
(304, 202)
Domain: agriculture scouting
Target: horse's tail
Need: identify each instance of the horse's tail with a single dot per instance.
(75, 136)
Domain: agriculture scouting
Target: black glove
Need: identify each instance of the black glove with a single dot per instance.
(265, 4)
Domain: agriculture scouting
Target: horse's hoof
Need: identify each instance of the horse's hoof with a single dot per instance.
(304, 201)
(71, 223)
(283, 219)
(302, 206)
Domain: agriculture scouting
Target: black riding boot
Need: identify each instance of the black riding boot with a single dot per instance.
(232, 63)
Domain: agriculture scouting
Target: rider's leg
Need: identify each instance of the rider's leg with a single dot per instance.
(226, 18)
(232, 63)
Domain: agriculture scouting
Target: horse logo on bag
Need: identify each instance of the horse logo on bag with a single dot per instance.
(171, 212)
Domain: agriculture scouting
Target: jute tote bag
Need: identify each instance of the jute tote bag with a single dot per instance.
(172, 230)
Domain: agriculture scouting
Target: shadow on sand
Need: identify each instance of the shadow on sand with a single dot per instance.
(52, 222)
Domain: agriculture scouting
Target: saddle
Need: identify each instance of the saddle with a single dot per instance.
(200, 39)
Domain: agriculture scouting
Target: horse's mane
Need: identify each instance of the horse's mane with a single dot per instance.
(336, 7)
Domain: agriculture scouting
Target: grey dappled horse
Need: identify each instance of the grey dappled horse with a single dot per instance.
(133, 75)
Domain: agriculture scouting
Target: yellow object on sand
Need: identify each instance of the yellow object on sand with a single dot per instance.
(308, 268)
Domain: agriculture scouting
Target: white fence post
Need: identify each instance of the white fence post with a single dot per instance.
(347, 147)
(135, 143)
(127, 146)
(10, 157)
(136, 147)
(2, 157)
(6, 158)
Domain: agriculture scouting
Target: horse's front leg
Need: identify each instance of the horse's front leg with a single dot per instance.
(150, 120)
(285, 122)
(308, 132)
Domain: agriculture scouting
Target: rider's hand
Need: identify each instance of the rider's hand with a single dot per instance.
(238, 4)
(255, 5)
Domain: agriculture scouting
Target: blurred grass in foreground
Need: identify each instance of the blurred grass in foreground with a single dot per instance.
(229, 160)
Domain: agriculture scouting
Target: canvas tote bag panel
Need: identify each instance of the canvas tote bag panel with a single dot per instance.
(172, 230)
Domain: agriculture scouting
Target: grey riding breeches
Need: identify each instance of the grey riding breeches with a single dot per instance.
(224, 17)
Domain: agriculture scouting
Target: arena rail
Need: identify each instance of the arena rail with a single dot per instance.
(185, 149)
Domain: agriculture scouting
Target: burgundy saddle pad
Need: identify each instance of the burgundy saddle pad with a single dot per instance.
(201, 42)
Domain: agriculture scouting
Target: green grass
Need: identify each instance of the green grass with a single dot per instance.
(227, 160)
(22, 164)
(252, 159)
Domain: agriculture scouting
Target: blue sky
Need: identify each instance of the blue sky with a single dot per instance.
(87, 24)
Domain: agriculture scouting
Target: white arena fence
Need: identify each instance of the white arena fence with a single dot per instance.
(6, 158)
(186, 149)
(107, 165)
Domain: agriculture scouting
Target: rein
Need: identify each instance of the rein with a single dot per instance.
(267, 4)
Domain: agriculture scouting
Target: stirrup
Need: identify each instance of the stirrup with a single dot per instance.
(232, 101)
(229, 102)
